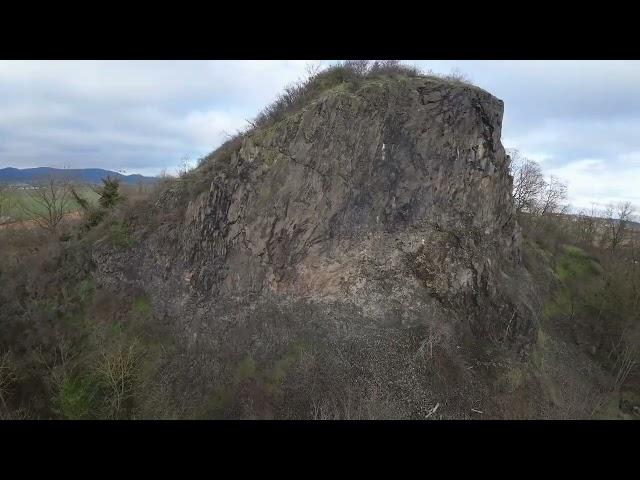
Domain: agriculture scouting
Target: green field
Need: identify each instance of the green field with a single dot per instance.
(16, 203)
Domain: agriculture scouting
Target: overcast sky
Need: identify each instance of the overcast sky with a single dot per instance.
(580, 119)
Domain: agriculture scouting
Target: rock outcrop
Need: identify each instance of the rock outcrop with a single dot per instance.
(373, 211)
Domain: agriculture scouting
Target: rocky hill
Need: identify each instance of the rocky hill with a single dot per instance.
(355, 254)
(362, 246)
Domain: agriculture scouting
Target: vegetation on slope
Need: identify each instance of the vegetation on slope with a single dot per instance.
(349, 75)
(72, 350)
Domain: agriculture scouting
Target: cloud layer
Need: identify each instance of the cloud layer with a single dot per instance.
(579, 118)
(141, 116)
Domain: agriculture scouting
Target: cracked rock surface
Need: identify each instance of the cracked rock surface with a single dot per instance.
(372, 213)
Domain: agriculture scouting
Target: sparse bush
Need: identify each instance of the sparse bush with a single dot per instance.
(626, 359)
(359, 67)
(7, 378)
(457, 76)
(118, 368)
(434, 338)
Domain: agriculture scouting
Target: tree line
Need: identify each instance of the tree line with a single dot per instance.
(594, 254)
(539, 196)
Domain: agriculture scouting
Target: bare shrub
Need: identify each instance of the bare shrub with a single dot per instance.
(392, 67)
(457, 76)
(7, 377)
(118, 367)
(434, 338)
(57, 364)
(626, 358)
(313, 68)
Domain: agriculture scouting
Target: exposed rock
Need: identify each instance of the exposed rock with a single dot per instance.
(383, 208)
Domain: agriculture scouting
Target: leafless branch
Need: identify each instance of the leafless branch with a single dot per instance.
(48, 202)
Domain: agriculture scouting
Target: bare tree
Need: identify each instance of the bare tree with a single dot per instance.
(552, 196)
(48, 202)
(531, 192)
(616, 223)
(587, 223)
(186, 165)
(528, 182)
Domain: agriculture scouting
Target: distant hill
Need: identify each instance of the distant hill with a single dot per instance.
(88, 175)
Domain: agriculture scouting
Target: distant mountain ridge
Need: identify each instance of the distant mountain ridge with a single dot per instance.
(89, 175)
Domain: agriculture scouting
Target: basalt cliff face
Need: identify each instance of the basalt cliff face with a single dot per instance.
(374, 225)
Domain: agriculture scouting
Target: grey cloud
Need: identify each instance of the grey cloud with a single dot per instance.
(127, 115)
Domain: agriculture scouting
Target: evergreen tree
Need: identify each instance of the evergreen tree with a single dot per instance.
(109, 192)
